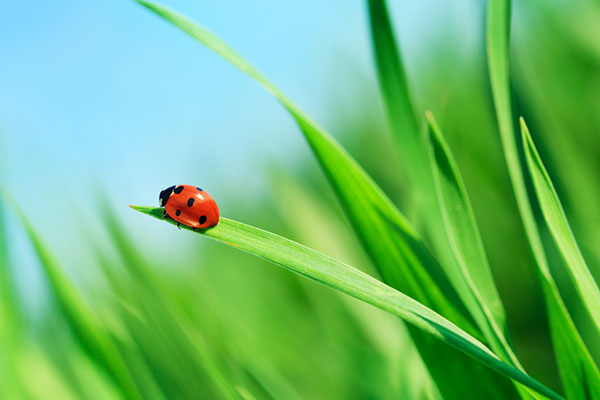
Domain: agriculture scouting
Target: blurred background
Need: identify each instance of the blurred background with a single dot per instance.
(103, 105)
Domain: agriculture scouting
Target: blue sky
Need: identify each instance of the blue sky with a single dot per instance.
(105, 90)
(103, 94)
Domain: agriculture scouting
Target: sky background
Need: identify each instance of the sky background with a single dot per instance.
(104, 96)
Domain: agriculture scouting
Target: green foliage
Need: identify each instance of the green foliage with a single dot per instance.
(463, 234)
(572, 355)
(579, 372)
(10, 323)
(561, 231)
(211, 322)
(395, 90)
(86, 327)
(415, 161)
(349, 280)
(498, 32)
(400, 256)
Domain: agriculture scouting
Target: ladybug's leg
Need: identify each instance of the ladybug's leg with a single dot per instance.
(194, 229)
(178, 225)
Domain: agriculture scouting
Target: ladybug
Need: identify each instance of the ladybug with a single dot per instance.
(189, 205)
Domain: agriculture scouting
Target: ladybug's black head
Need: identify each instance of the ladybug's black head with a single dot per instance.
(164, 196)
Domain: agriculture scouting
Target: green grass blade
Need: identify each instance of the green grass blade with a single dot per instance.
(498, 33)
(579, 374)
(416, 162)
(179, 359)
(346, 279)
(10, 321)
(462, 231)
(558, 225)
(396, 95)
(9, 302)
(571, 352)
(402, 259)
(411, 145)
(86, 327)
(400, 256)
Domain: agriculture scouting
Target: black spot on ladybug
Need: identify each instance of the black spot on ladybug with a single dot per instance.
(178, 212)
(178, 189)
(199, 189)
(190, 201)
(202, 219)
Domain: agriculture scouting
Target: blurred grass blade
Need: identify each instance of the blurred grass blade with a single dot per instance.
(574, 359)
(9, 301)
(561, 232)
(396, 95)
(346, 279)
(410, 143)
(401, 258)
(462, 231)
(415, 161)
(10, 321)
(498, 33)
(86, 327)
(170, 351)
(578, 372)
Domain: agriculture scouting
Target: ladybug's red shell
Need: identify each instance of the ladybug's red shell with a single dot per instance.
(192, 206)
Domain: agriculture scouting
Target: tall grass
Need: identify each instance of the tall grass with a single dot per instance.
(233, 330)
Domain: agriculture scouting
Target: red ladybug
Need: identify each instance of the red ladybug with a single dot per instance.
(189, 205)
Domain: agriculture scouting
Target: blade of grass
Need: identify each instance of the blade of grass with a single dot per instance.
(399, 255)
(555, 91)
(41, 378)
(183, 367)
(570, 349)
(385, 233)
(463, 234)
(349, 280)
(311, 211)
(10, 321)
(558, 225)
(414, 156)
(578, 372)
(9, 304)
(90, 334)
(462, 231)
(396, 94)
(126, 339)
(498, 32)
